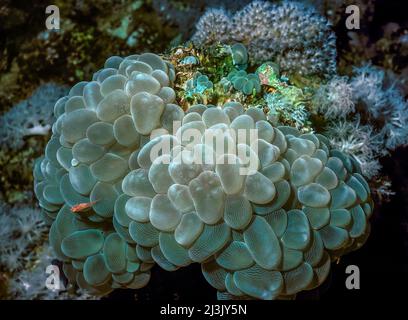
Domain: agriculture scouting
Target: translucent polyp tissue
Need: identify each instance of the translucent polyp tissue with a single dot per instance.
(263, 209)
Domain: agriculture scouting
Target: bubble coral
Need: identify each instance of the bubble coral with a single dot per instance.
(248, 83)
(266, 234)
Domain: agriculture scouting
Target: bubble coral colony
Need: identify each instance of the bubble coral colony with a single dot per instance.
(266, 235)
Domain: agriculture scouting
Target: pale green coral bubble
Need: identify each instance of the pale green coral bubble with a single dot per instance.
(144, 233)
(337, 166)
(138, 67)
(321, 271)
(104, 194)
(208, 197)
(333, 237)
(69, 194)
(82, 244)
(154, 61)
(113, 62)
(87, 152)
(274, 172)
(65, 222)
(59, 107)
(237, 211)
(132, 161)
(172, 250)
(243, 122)
(81, 179)
(189, 229)
(125, 132)
(105, 73)
(314, 195)
(109, 168)
(263, 243)
(144, 254)
(146, 110)
(302, 146)
(235, 256)
(92, 95)
(348, 164)
(340, 218)
(327, 178)
(142, 82)
(159, 175)
(231, 286)
(123, 232)
(167, 94)
(114, 251)
(321, 155)
(132, 267)
(279, 140)
(124, 65)
(180, 197)
(136, 183)
(358, 187)
(112, 106)
(53, 195)
(359, 222)
(77, 89)
(138, 208)
(259, 283)
(259, 189)
(161, 260)
(74, 103)
(189, 132)
(255, 113)
(95, 270)
(171, 113)
(267, 153)
(231, 112)
(297, 233)
(318, 217)
(155, 148)
(278, 220)
(139, 281)
(210, 241)
(76, 123)
(113, 83)
(163, 215)
(265, 130)
(228, 169)
(283, 193)
(213, 116)
(199, 108)
(123, 278)
(131, 254)
(120, 150)
(55, 239)
(214, 274)
(304, 170)
(100, 133)
(291, 258)
(162, 77)
(313, 255)
(298, 279)
(343, 196)
(120, 211)
(64, 157)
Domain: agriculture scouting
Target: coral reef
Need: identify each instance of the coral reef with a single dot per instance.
(291, 34)
(121, 182)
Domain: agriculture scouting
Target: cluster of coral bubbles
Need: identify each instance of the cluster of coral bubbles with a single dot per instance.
(268, 234)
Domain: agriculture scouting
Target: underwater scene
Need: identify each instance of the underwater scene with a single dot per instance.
(203, 151)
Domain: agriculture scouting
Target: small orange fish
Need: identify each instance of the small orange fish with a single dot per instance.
(82, 206)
